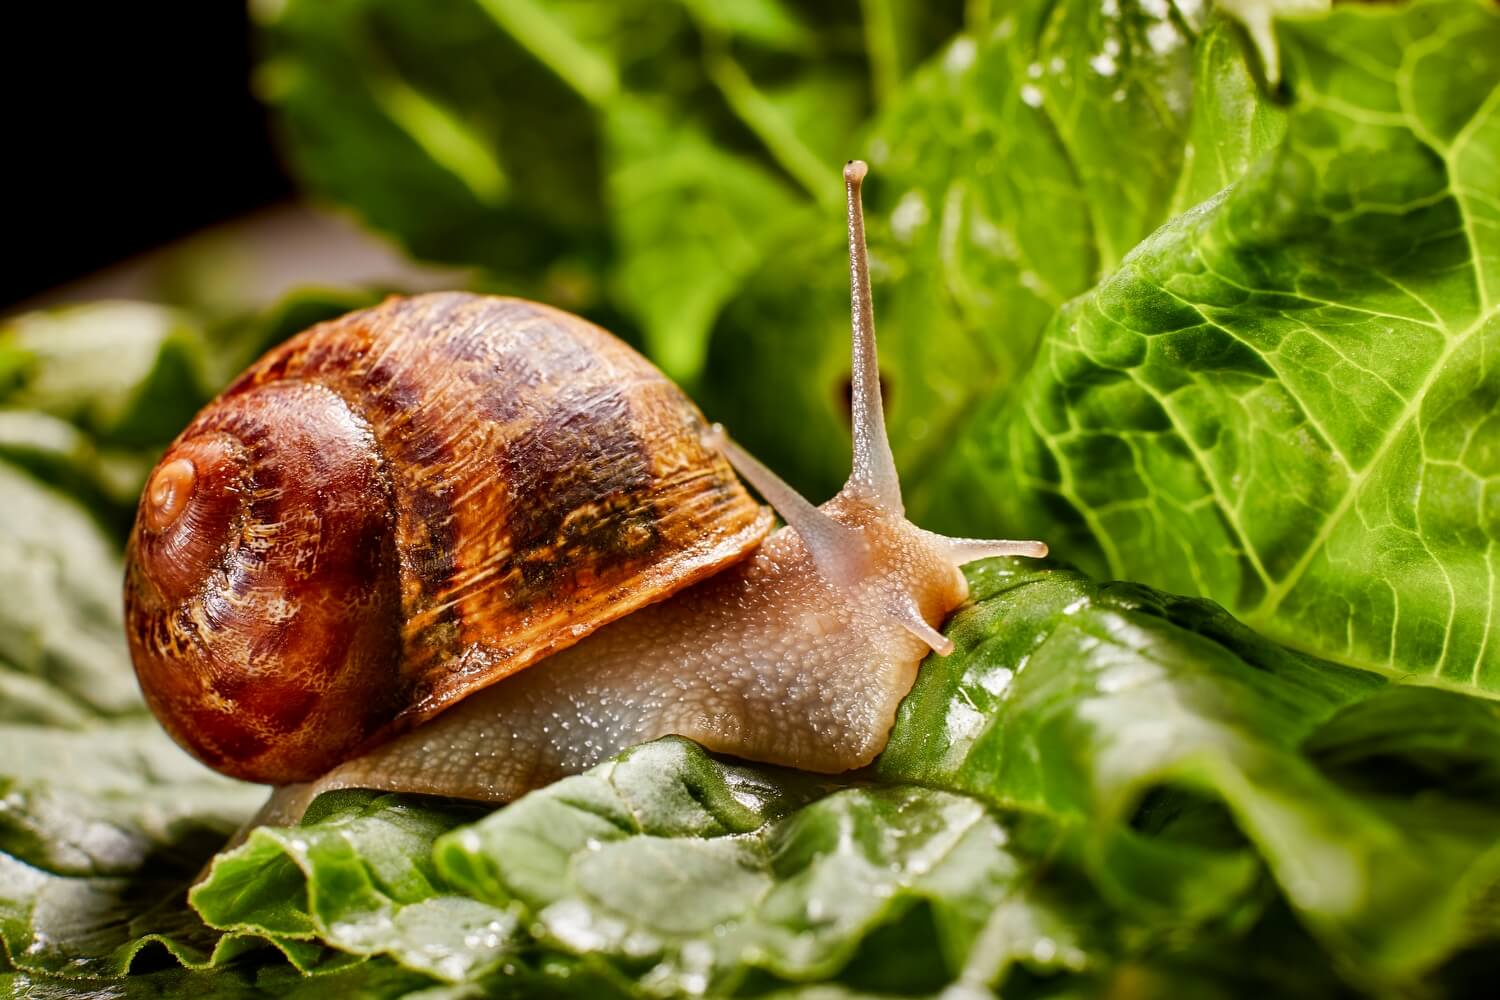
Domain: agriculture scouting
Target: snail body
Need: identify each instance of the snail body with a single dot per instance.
(768, 660)
(485, 485)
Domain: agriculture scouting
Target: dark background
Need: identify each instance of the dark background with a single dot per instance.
(126, 125)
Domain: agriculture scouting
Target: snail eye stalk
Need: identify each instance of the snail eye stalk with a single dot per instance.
(874, 473)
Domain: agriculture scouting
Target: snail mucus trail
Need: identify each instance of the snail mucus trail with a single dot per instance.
(795, 651)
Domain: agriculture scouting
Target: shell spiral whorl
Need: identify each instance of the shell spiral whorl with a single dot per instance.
(260, 615)
(398, 507)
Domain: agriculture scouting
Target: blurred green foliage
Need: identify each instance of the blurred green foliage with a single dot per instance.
(632, 160)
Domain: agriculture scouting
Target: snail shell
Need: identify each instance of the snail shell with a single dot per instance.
(400, 507)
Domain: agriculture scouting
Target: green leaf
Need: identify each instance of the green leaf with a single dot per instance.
(375, 980)
(60, 622)
(1106, 791)
(690, 221)
(668, 871)
(1281, 400)
(100, 832)
(1257, 17)
(1109, 772)
(103, 821)
(669, 866)
(105, 799)
(129, 373)
(712, 876)
(1233, 123)
(405, 113)
(357, 877)
(107, 481)
(1132, 711)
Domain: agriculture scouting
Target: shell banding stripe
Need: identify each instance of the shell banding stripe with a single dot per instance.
(538, 469)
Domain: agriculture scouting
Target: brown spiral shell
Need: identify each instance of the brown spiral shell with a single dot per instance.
(402, 506)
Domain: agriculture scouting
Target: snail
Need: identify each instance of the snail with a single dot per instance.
(463, 545)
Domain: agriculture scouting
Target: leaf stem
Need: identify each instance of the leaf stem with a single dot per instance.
(884, 49)
(539, 33)
(784, 145)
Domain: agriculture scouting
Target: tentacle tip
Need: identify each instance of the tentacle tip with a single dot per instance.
(855, 170)
(966, 550)
(935, 640)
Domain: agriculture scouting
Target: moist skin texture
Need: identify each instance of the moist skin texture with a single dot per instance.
(797, 656)
(769, 660)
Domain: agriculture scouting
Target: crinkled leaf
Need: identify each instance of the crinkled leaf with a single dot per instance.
(107, 800)
(98, 926)
(1160, 756)
(1373, 807)
(100, 831)
(1283, 399)
(1106, 791)
(692, 874)
(103, 821)
(668, 872)
(374, 980)
(357, 876)
(62, 638)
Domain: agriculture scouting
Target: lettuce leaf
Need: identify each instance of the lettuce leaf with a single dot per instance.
(1103, 785)
(357, 876)
(1282, 399)
(1114, 704)
(62, 641)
